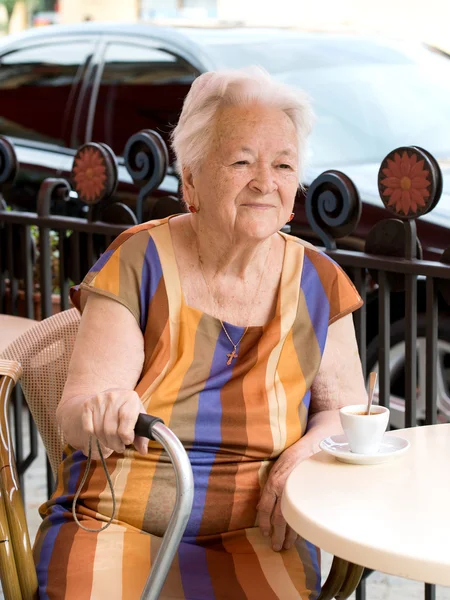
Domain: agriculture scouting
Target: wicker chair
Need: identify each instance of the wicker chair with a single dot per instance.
(41, 356)
(40, 359)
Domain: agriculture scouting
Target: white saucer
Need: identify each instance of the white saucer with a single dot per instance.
(391, 447)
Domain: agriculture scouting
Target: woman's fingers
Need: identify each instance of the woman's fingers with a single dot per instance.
(111, 417)
(87, 419)
(127, 416)
(290, 539)
(265, 509)
(139, 442)
(98, 414)
(273, 524)
(111, 437)
(141, 445)
(278, 528)
(95, 455)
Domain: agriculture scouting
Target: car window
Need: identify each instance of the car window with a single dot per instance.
(38, 88)
(141, 88)
(369, 97)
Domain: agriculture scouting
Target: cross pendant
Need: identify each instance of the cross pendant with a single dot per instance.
(231, 356)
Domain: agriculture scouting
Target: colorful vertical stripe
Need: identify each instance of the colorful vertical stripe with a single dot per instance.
(234, 422)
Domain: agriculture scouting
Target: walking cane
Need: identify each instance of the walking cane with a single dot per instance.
(154, 429)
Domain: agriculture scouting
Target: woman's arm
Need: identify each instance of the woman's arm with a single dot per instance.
(99, 397)
(338, 383)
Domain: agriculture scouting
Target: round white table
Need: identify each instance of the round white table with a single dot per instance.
(392, 517)
(12, 327)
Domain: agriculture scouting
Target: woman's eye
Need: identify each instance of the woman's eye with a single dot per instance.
(284, 166)
(241, 162)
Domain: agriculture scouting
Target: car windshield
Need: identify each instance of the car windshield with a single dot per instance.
(369, 97)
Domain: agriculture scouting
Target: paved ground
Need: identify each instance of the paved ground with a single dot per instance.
(379, 586)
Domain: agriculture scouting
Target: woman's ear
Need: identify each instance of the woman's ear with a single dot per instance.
(188, 186)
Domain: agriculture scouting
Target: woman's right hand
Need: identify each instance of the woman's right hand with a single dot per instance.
(110, 416)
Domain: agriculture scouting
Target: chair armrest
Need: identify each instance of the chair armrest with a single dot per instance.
(20, 560)
(8, 572)
(342, 580)
(11, 368)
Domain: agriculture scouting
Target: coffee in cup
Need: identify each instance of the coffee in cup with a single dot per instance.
(364, 432)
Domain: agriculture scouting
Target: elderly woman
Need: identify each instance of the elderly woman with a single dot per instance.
(238, 336)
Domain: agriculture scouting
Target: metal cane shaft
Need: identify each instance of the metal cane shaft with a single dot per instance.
(180, 514)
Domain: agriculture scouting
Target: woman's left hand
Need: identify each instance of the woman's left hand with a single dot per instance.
(271, 522)
(338, 383)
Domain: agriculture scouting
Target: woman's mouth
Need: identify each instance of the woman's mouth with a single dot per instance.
(258, 206)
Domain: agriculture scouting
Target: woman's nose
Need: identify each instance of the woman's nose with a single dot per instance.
(263, 181)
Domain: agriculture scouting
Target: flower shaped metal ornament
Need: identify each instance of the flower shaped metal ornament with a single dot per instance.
(94, 173)
(409, 182)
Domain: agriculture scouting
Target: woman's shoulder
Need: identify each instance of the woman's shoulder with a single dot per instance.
(308, 248)
(317, 259)
(129, 269)
(335, 284)
(139, 234)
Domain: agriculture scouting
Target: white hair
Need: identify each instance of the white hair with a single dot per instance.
(194, 133)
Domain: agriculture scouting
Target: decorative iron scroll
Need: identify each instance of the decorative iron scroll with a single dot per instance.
(333, 207)
(9, 164)
(51, 189)
(94, 173)
(409, 182)
(146, 159)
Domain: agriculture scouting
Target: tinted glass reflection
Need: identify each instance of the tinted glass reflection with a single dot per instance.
(369, 96)
(141, 88)
(38, 88)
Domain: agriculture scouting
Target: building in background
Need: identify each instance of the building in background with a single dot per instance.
(76, 11)
(195, 10)
(401, 18)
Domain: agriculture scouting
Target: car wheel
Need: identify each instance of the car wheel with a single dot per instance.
(397, 371)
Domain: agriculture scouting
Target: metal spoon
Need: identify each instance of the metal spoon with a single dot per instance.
(372, 383)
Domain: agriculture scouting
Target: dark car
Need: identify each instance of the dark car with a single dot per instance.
(62, 86)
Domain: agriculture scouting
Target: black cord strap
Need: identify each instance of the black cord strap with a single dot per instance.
(80, 487)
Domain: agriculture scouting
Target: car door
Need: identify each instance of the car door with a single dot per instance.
(141, 86)
(39, 89)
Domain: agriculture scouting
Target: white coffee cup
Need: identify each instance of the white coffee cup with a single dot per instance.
(364, 432)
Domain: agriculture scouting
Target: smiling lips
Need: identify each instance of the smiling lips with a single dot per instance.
(259, 206)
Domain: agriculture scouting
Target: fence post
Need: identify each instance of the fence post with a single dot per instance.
(50, 190)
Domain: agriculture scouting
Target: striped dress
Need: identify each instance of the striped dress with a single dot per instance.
(234, 422)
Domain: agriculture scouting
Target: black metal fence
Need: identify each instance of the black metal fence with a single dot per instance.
(43, 253)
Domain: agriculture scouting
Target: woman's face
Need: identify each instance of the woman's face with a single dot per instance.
(247, 182)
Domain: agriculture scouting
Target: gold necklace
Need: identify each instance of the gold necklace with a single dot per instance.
(231, 355)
